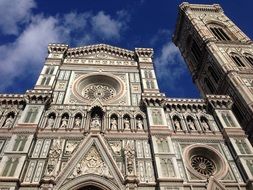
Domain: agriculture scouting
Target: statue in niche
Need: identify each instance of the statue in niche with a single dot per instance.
(9, 122)
(77, 122)
(126, 124)
(177, 124)
(205, 125)
(139, 123)
(50, 122)
(114, 124)
(64, 123)
(191, 125)
(95, 122)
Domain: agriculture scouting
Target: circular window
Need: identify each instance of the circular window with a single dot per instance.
(204, 161)
(104, 87)
(100, 91)
(203, 165)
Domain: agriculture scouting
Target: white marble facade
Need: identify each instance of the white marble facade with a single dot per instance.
(96, 119)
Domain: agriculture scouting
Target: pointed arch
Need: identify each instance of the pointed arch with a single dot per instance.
(89, 180)
(219, 30)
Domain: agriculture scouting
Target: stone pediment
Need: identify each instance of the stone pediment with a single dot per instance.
(91, 160)
(100, 51)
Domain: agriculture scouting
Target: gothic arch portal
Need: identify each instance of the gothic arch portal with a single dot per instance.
(91, 181)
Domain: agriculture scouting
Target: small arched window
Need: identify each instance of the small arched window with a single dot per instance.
(237, 60)
(220, 33)
(249, 58)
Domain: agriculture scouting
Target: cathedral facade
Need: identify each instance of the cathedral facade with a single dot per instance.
(96, 119)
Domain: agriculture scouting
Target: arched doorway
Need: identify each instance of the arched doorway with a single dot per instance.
(90, 187)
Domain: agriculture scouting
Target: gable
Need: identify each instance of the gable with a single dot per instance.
(93, 160)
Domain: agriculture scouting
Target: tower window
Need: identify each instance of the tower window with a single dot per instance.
(209, 85)
(220, 33)
(213, 74)
(237, 61)
(249, 59)
(196, 51)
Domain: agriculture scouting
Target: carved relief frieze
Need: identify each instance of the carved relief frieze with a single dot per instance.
(92, 163)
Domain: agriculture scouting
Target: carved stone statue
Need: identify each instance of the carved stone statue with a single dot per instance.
(8, 122)
(191, 125)
(50, 122)
(95, 122)
(177, 124)
(77, 122)
(114, 124)
(139, 123)
(126, 124)
(205, 125)
(64, 122)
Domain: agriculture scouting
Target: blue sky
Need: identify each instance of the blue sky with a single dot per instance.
(27, 26)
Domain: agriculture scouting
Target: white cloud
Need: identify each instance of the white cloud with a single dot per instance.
(75, 20)
(169, 64)
(13, 13)
(27, 53)
(105, 26)
(25, 56)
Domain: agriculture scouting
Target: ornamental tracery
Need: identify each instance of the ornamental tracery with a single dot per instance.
(203, 165)
(99, 91)
(204, 161)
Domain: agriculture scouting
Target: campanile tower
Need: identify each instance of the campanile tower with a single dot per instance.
(219, 56)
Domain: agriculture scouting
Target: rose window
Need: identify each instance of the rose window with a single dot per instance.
(203, 161)
(105, 87)
(99, 91)
(203, 165)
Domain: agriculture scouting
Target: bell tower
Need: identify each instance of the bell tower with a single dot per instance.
(219, 56)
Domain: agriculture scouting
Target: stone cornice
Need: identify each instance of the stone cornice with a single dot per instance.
(92, 49)
(38, 96)
(12, 99)
(185, 6)
(57, 48)
(144, 52)
(219, 102)
(153, 99)
(184, 104)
